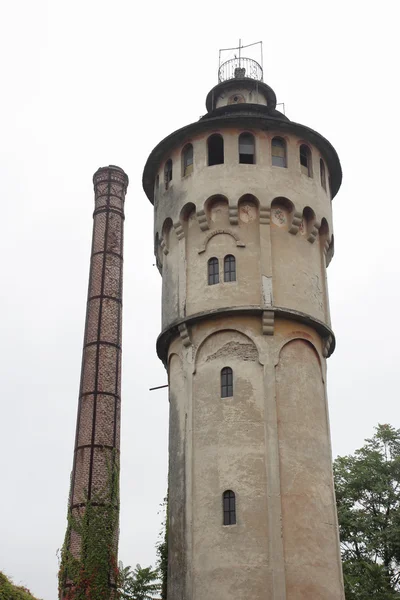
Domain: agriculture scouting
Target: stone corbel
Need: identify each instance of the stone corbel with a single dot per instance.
(184, 333)
(296, 222)
(268, 318)
(233, 215)
(265, 215)
(326, 346)
(312, 236)
(202, 220)
(179, 230)
(163, 246)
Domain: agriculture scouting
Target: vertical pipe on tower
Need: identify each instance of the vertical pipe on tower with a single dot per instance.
(94, 479)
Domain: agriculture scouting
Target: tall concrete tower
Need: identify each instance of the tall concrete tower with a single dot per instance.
(243, 236)
(90, 550)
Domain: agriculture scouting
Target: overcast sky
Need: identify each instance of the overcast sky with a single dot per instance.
(87, 83)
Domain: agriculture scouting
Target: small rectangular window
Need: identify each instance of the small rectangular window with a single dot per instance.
(226, 382)
(229, 268)
(229, 507)
(213, 271)
(278, 152)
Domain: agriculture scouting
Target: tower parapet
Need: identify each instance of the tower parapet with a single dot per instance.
(243, 236)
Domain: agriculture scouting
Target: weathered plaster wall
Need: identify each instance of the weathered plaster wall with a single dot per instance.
(311, 546)
(208, 213)
(270, 444)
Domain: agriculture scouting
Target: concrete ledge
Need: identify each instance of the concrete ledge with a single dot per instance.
(174, 330)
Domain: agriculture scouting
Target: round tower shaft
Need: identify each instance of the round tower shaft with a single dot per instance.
(89, 556)
(243, 236)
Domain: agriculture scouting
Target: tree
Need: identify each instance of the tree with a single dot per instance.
(140, 584)
(368, 503)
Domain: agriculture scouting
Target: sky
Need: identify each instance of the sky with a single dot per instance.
(87, 83)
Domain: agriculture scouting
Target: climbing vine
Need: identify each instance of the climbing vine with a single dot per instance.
(94, 574)
(162, 551)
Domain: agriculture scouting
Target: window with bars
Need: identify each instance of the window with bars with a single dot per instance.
(187, 160)
(215, 145)
(229, 268)
(278, 148)
(305, 160)
(226, 382)
(213, 271)
(247, 149)
(322, 173)
(229, 507)
(168, 173)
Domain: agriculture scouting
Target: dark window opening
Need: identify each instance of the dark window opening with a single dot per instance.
(229, 268)
(322, 173)
(246, 149)
(226, 382)
(213, 271)
(168, 173)
(305, 160)
(229, 507)
(187, 160)
(278, 152)
(215, 145)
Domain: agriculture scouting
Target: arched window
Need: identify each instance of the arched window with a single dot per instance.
(226, 382)
(229, 507)
(247, 149)
(213, 271)
(322, 173)
(168, 173)
(278, 147)
(229, 268)
(215, 145)
(187, 160)
(305, 160)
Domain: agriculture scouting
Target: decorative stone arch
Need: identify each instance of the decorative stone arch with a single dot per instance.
(166, 232)
(219, 232)
(309, 225)
(188, 210)
(213, 200)
(245, 202)
(326, 240)
(215, 331)
(158, 253)
(305, 337)
(284, 215)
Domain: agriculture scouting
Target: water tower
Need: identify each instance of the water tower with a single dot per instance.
(243, 237)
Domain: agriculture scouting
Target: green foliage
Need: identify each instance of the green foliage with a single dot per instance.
(162, 551)
(9, 591)
(96, 524)
(141, 584)
(368, 502)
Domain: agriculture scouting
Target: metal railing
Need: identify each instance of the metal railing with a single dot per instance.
(239, 68)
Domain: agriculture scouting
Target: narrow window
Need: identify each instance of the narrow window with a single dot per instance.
(278, 152)
(229, 506)
(246, 149)
(213, 271)
(215, 144)
(226, 382)
(229, 268)
(322, 173)
(187, 160)
(305, 160)
(168, 173)
(156, 183)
